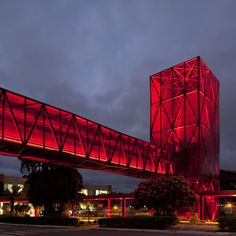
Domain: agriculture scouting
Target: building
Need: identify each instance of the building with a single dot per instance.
(96, 190)
(184, 134)
(10, 181)
(88, 189)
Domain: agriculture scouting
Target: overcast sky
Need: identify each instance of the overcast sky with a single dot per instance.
(95, 57)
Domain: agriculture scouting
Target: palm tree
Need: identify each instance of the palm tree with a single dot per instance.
(13, 194)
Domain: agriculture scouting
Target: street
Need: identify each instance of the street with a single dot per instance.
(18, 230)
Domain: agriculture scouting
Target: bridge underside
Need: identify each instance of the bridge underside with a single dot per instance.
(184, 129)
(37, 131)
(52, 157)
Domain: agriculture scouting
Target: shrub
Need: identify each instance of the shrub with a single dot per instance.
(164, 195)
(21, 209)
(139, 222)
(40, 220)
(227, 223)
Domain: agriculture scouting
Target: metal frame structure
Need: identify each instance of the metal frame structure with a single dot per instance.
(185, 122)
(201, 199)
(184, 132)
(37, 131)
(121, 197)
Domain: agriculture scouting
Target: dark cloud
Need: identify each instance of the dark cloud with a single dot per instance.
(9, 165)
(95, 57)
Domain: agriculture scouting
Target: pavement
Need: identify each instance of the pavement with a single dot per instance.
(151, 232)
(18, 230)
(92, 230)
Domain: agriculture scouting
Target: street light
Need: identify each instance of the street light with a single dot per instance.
(229, 205)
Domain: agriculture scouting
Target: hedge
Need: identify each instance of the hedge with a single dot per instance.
(40, 220)
(139, 222)
(227, 223)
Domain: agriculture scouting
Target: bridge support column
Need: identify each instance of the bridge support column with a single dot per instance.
(109, 208)
(124, 207)
(199, 207)
(151, 212)
(203, 208)
(73, 209)
(36, 211)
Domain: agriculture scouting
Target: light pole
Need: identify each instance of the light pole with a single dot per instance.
(229, 206)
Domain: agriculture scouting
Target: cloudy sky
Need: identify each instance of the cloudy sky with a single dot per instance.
(95, 57)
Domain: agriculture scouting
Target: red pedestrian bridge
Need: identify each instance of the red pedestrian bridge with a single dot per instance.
(37, 131)
(184, 132)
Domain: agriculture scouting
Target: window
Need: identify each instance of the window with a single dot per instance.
(84, 191)
(99, 192)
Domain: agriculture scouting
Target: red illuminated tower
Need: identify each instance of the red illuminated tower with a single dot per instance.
(184, 133)
(185, 121)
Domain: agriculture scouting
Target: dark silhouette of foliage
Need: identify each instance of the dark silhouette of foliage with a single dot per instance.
(1, 188)
(13, 194)
(21, 209)
(165, 195)
(139, 222)
(52, 186)
(227, 180)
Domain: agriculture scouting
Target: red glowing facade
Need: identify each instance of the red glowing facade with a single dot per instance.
(185, 122)
(185, 118)
(184, 132)
(34, 130)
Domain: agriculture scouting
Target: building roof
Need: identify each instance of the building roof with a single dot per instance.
(12, 179)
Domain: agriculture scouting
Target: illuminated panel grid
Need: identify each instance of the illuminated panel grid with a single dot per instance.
(28, 125)
(185, 119)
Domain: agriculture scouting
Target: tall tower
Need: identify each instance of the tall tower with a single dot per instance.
(185, 121)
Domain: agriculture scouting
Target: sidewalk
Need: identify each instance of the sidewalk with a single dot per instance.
(170, 231)
(42, 226)
(80, 227)
(196, 227)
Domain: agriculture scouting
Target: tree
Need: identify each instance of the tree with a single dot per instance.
(12, 195)
(52, 186)
(165, 195)
(1, 188)
(227, 180)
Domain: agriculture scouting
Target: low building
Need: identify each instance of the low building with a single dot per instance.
(96, 190)
(10, 181)
(87, 190)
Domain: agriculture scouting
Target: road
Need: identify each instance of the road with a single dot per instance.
(19, 230)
